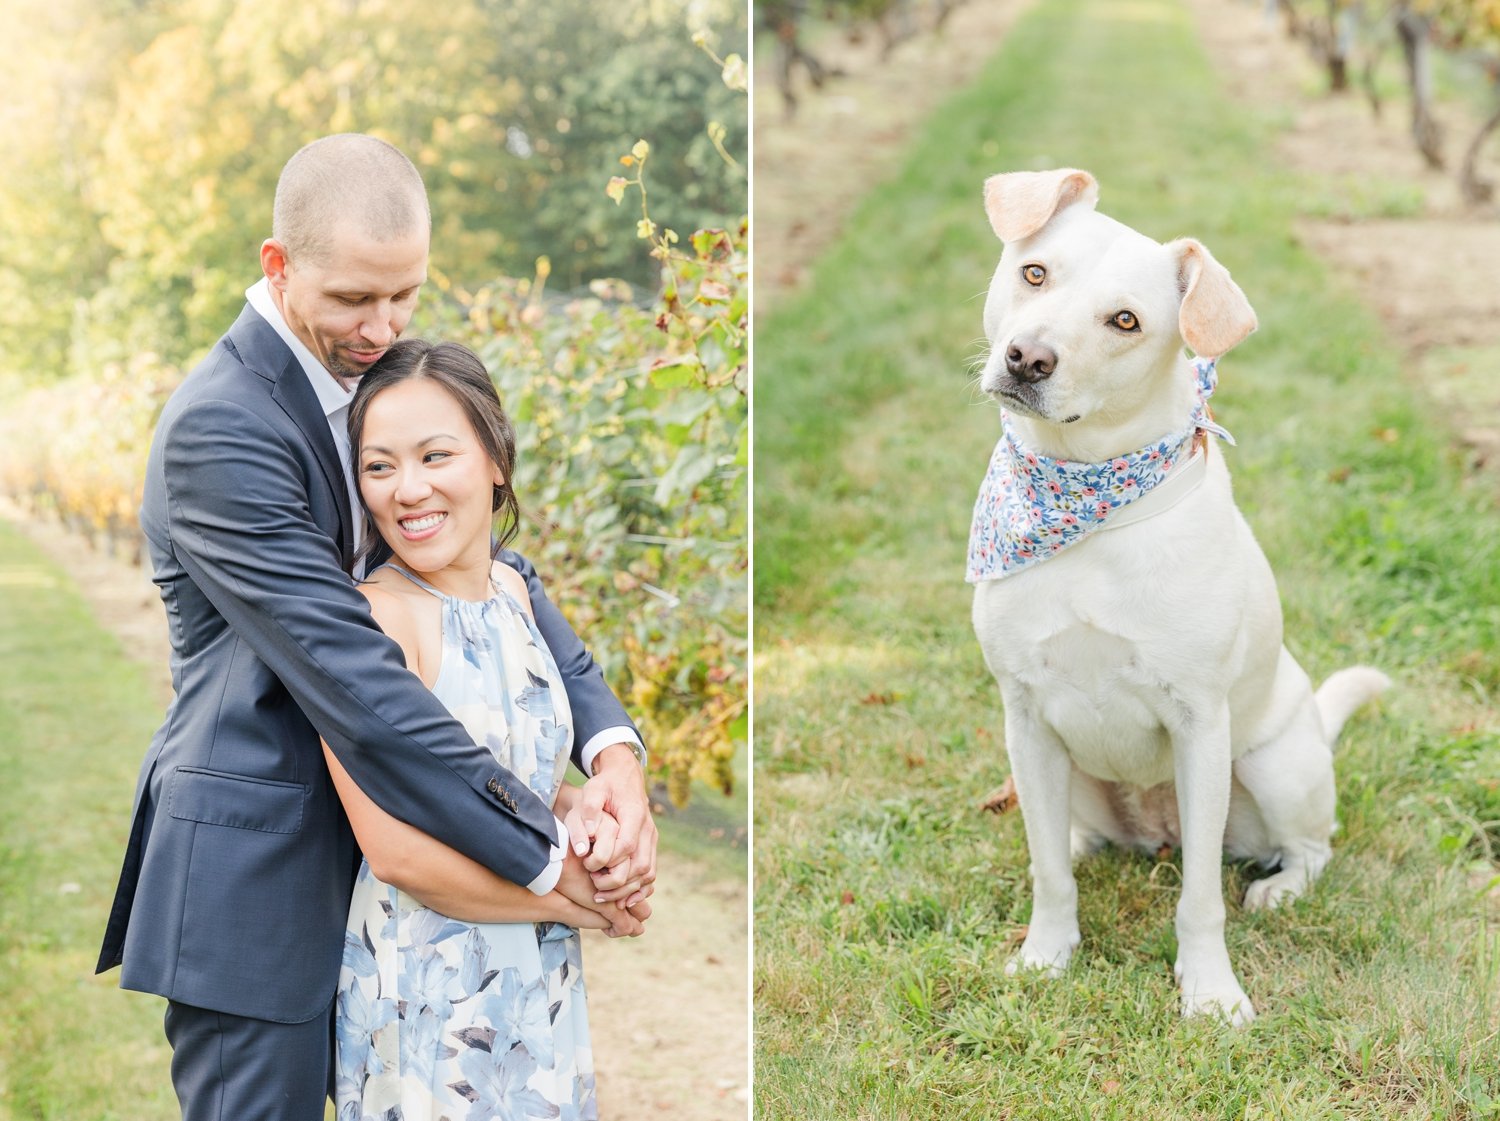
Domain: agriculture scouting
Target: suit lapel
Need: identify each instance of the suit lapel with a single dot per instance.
(262, 350)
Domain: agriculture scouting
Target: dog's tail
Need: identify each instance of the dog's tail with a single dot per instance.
(1344, 693)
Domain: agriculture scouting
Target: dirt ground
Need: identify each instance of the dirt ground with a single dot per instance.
(670, 1011)
(1433, 276)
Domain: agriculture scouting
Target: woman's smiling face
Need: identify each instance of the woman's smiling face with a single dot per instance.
(427, 480)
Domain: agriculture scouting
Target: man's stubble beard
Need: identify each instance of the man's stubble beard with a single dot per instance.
(346, 375)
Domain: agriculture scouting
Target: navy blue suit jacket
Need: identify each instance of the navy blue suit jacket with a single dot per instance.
(237, 873)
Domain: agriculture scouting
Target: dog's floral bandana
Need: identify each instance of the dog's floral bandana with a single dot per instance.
(1031, 507)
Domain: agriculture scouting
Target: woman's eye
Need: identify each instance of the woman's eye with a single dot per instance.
(432, 457)
(376, 468)
(1126, 321)
(1033, 275)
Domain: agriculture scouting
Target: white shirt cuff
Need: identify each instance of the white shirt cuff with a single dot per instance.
(549, 876)
(608, 738)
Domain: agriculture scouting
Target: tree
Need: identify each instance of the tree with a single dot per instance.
(137, 193)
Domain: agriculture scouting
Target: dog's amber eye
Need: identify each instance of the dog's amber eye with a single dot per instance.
(1126, 321)
(1033, 275)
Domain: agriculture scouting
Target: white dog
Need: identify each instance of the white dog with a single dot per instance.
(1122, 602)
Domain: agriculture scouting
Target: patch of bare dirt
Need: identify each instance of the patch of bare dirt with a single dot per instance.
(1435, 280)
(1433, 273)
(669, 1012)
(812, 167)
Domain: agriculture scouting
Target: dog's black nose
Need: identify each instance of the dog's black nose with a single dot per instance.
(1029, 361)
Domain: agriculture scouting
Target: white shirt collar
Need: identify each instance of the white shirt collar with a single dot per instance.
(331, 395)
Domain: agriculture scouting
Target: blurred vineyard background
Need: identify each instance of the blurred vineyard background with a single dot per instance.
(1352, 38)
(1405, 56)
(139, 148)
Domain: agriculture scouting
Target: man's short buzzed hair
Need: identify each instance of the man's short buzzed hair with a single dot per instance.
(346, 176)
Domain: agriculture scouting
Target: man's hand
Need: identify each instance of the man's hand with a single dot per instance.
(614, 818)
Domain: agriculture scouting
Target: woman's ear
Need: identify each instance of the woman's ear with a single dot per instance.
(1215, 316)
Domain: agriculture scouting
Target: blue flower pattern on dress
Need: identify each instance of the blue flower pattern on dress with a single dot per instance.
(519, 1011)
(481, 1022)
(498, 1086)
(1031, 506)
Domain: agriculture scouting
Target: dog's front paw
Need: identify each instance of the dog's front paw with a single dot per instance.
(1302, 862)
(1273, 891)
(1043, 953)
(1210, 994)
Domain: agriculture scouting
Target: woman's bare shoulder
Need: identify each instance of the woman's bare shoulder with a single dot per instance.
(513, 582)
(397, 605)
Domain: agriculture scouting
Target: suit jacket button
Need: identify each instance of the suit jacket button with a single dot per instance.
(493, 786)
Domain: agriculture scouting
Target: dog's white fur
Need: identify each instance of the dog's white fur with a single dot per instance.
(1145, 660)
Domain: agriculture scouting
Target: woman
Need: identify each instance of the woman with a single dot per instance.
(461, 993)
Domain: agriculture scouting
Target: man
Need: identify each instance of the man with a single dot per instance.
(237, 876)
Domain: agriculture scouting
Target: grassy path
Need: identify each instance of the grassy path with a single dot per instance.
(886, 904)
(75, 716)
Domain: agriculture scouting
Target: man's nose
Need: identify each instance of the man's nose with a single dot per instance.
(380, 328)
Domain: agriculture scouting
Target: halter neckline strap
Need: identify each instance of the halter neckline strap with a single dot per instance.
(426, 587)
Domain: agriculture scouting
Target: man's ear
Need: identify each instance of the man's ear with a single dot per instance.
(1215, 316)
(273, 262)
(1019, 203)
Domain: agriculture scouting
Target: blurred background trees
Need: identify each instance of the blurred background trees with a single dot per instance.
(1355, 35)
(139, 151)
(141, 139)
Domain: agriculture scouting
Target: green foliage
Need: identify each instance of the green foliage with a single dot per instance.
(1471, 22)
(76, 449)
(594, 78)
(136, 193)
(632, 426)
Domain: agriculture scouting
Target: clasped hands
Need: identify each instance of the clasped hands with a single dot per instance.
(610, 867)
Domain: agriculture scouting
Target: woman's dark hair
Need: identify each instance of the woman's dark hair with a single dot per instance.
(458, 370)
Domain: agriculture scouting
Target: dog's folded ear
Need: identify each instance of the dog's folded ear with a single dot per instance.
(1019, 203)
(1215, 316)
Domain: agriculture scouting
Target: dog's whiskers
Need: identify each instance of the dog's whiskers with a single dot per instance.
(975, 368)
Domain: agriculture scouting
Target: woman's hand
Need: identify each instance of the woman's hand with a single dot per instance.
(571, 914)
(577, 886)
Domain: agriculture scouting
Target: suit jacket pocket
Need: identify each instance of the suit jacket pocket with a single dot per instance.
(238, 801)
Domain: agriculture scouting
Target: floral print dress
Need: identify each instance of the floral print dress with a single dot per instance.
(440, 1020)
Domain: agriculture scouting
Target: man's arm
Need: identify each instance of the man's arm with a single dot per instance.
(451, 884)
(599, 719)
(615, 810)
(242, 529)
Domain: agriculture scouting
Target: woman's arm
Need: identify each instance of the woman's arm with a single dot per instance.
(443, 878)
(434, 874)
